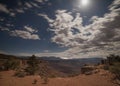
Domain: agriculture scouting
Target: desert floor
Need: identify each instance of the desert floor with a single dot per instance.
(102, 78)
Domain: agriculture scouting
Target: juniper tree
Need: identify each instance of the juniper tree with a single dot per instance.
(33, 65)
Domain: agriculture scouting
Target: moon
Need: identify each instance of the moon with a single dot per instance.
(84, 2)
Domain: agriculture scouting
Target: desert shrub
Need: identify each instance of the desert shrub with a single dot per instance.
(20, 74)
(103, 61)
(33, 65)
(113, 58)
(106, 67)
(87, 69)
(44, 76)
(34, 81)
(45, 80)
(11, 64)
(115, 68)
(73, 74)
(2, 61)
(32, 70)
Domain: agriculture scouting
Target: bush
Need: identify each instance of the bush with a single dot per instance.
(34, 81)
(20, 74)
(11, 64)
(115, 68)
(45, 80)
(31, 70)
(87, 69)
(106, 67)
(113, 58)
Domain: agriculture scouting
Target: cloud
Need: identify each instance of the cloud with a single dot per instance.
(4, 28)
(114, 5)
(19, 10)
(29, 29)
(3, 8)
(27, 33)
(99, 38)
(46, 51)
(24, 34)
(21, 6)
(108, 26)
(28, 5)
(46, 17)
(68, 30)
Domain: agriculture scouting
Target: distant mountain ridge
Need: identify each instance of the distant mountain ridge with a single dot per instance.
(81, 60)
(70, 66)
(62, 67)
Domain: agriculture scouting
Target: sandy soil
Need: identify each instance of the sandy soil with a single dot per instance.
(102, 78)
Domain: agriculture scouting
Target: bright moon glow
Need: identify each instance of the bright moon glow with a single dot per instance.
(84, 2)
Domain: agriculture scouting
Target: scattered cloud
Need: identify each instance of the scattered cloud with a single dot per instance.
(29, 29)
(21, 7)
(3, 29)
(24, 34)
(28, 5)
(46, 17)
(27, 33)
(3, 8)
(19, 10)
(99, 38)
(46, 51)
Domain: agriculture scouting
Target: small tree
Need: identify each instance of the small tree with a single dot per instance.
(33, 65)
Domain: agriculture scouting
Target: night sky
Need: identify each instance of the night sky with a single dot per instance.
(62, 28)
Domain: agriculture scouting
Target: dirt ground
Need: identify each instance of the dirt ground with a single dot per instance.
(102, 78)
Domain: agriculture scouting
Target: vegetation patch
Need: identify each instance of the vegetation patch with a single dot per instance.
(20, 74)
